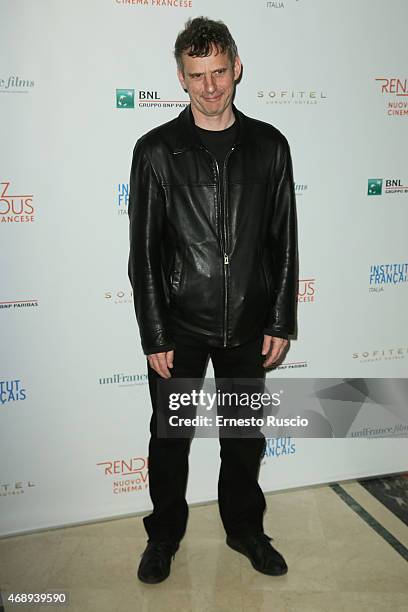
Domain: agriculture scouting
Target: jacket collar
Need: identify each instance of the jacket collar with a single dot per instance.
(187, 136)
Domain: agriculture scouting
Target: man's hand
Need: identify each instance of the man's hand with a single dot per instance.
(161, 362)
(273, 348)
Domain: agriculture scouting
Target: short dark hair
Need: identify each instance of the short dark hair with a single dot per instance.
(198, 37)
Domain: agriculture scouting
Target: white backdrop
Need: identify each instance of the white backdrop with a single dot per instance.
(74, 412)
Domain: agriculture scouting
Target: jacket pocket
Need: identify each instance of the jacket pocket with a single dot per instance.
(177, 274)
(267, 280)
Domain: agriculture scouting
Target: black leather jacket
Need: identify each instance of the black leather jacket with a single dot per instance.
(220, 269)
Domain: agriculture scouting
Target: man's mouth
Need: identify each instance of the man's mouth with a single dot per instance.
(214, 99)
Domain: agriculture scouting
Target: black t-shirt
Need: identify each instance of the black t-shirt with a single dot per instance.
(218, 142)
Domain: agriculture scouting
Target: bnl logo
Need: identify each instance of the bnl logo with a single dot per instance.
(125, 98)
(374, 186)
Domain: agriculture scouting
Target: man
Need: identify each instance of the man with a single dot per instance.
(213, 261)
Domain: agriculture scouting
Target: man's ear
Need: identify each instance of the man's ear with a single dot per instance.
(237, 68)
(180, 76)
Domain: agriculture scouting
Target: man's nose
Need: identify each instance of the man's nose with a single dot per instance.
(209, 83)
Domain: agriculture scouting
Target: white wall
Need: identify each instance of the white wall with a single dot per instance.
(67, 146)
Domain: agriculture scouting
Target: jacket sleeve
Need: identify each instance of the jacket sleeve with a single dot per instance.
(283, 237)
(146, 225)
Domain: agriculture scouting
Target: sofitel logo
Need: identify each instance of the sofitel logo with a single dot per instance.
(306, 290)
(15, 488)
(381, 354)
(15, 208)
(398, 89)
(375, 186)
(136, 467)
(120, 297)
(285, 96)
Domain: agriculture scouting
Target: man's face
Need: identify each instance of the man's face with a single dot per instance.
(209, 81)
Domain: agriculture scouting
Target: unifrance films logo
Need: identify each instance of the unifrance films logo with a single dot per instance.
(395, 91)
(124, 380)
(306, 290)
(291, 96)
(12, 391)
(15, 85)
(386, 275)
(300, 189)
(15, 208)
(149, 99)
(177, 4)
(126, 475)
(122, 199)
(381, 354)
(381, 186)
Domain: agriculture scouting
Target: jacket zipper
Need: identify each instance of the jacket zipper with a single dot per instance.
(224, 237)
(226, 255)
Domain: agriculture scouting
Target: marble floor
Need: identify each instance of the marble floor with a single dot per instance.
(337, 561)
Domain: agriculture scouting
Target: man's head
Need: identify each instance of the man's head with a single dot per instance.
(207, 65)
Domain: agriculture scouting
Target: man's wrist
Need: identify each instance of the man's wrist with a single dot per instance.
(276, 333)
(158, 349)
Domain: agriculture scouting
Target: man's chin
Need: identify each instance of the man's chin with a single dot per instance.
(213, 111)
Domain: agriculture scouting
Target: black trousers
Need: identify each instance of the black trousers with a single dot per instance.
(241, 501)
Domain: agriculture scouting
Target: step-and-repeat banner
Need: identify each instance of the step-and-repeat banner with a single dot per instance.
(80, 81)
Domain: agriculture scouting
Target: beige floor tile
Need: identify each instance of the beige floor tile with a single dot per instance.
(337, 563)
(108, 599)
(380, 512)
(94, 561)
(295, 601)
(374, 602)
(368, 564)
(158, 598)
(310, 568)
(205, 565)
(337, 518)
(27, 560)
(264, 601)
(205, 522)
(293, 515)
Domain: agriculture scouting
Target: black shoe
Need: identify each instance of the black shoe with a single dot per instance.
(261, 553)
(156, 560)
